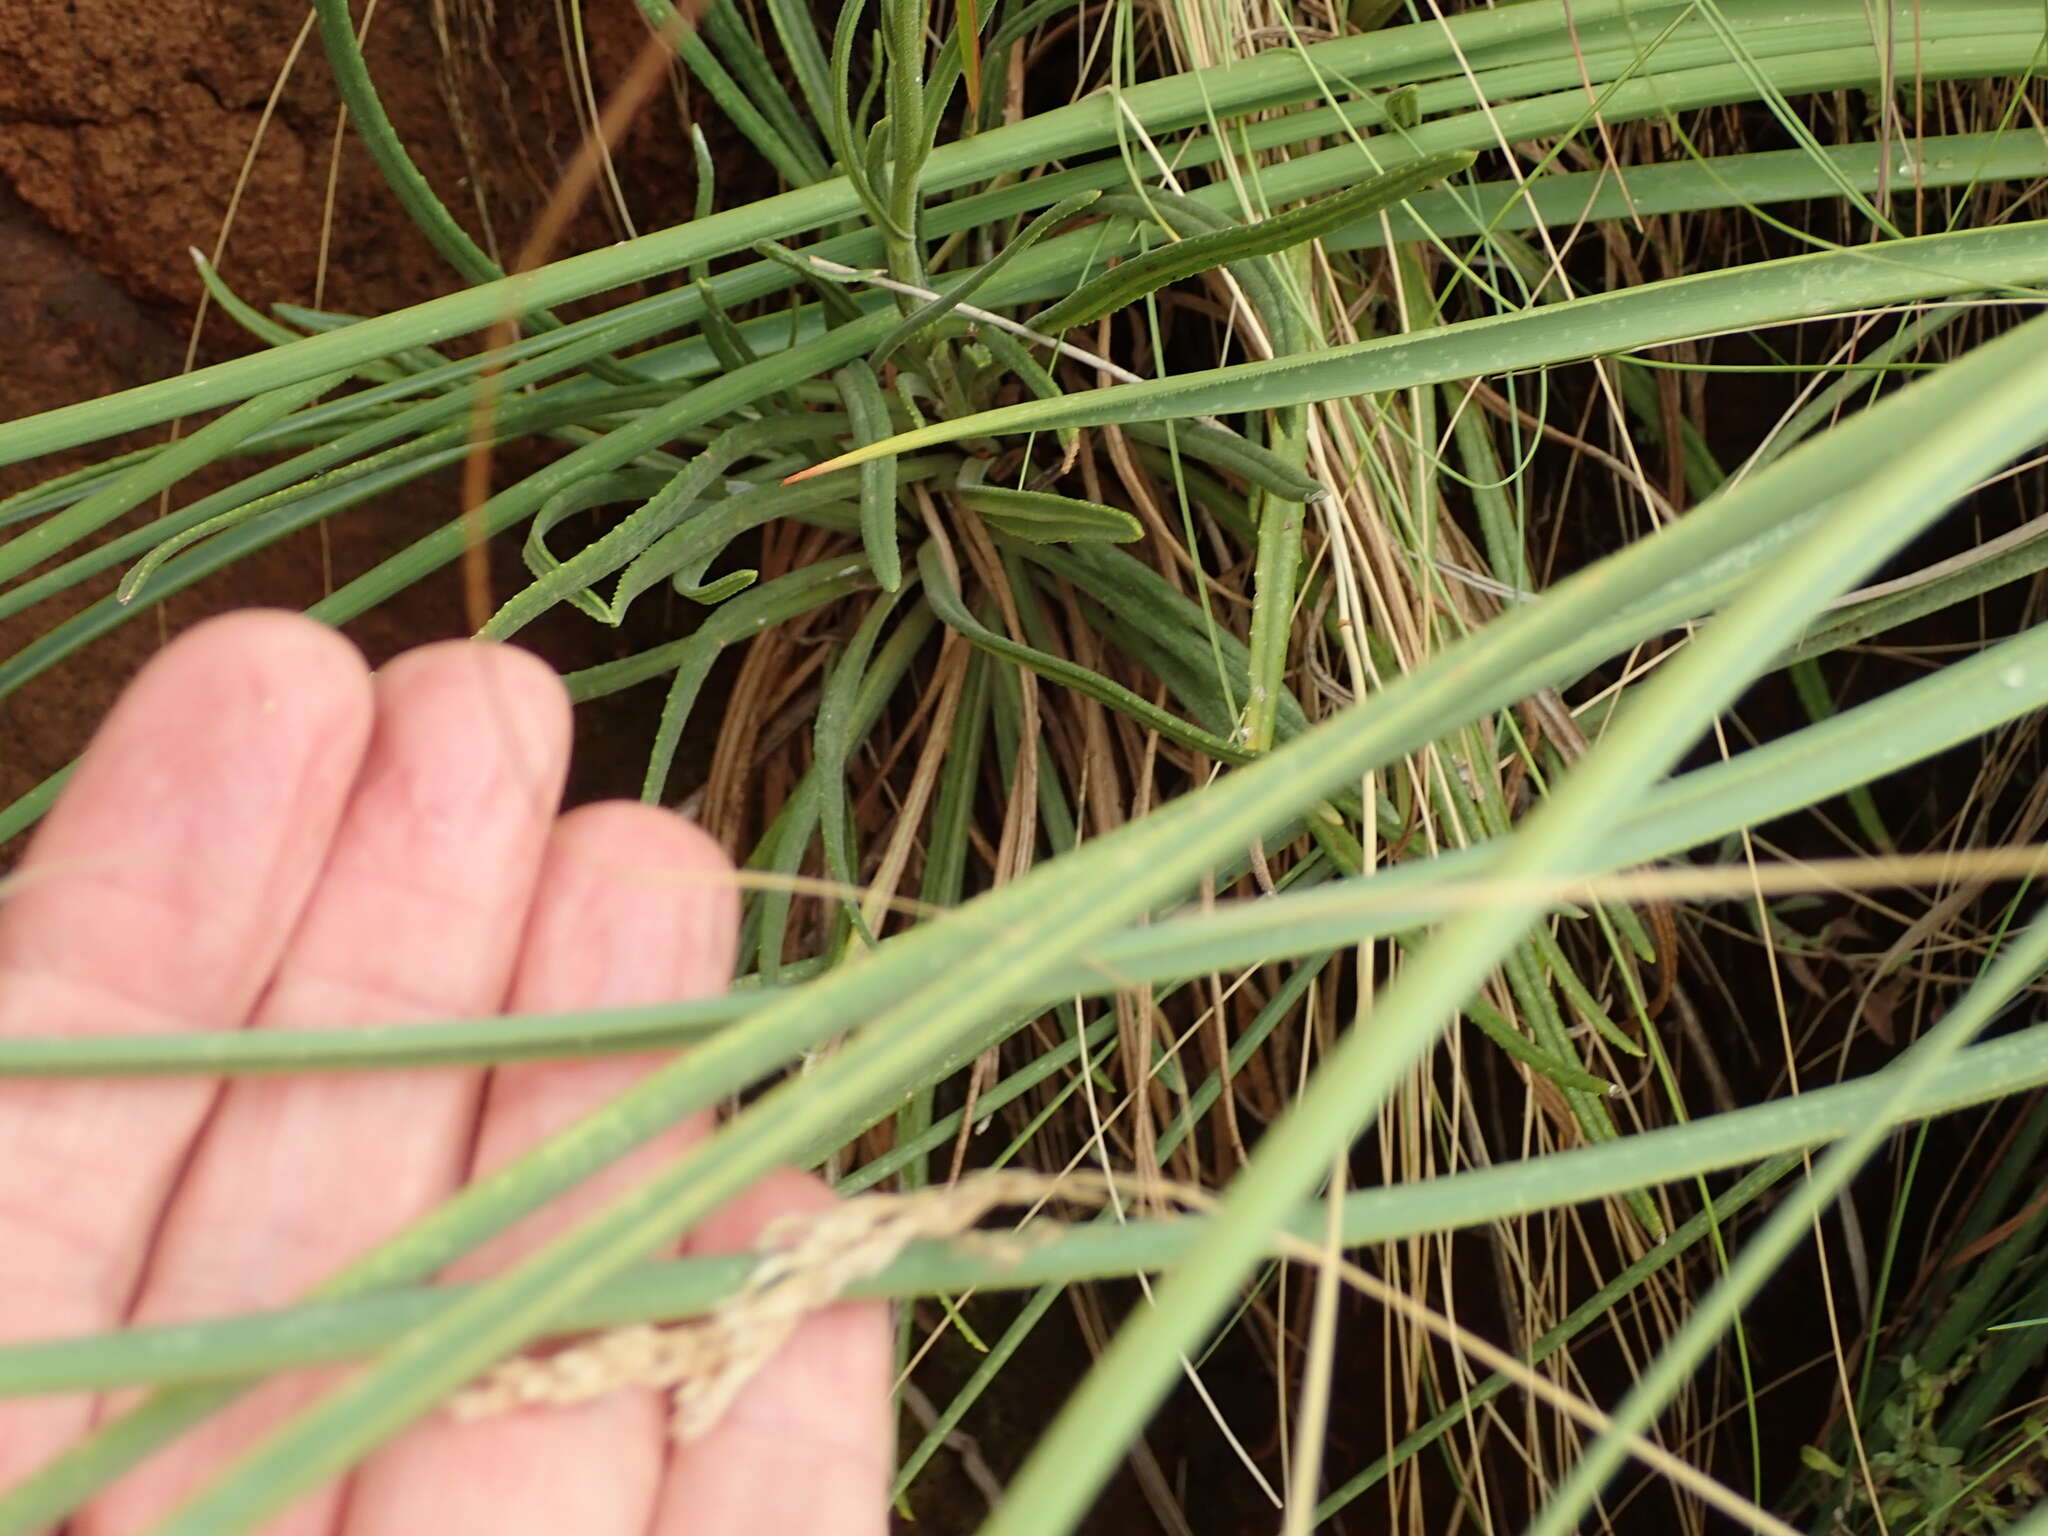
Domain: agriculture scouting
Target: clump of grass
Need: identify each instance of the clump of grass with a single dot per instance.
(1224, 569)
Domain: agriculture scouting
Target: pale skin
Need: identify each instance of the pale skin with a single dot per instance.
(265, 835)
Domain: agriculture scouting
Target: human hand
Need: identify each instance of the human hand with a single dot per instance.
(264, 835)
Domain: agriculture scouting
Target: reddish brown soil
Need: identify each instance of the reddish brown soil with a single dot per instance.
(123, 133)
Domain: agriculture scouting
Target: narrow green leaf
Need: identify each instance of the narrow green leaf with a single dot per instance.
(867, 414)
(780, 600)
(1234, 454)
(935, 310)
(1132, 280)
(833, 731)
(387, 150)
(158, 472)
(685, 553)
(838, 302)
(319, 1332)
(415, 194)
(2009, 257)
(596, 491)
(700, 481)
(252, 320)
(712, 593)
(731, 31)
(796, 162)
(946, 602)
(1044, 518)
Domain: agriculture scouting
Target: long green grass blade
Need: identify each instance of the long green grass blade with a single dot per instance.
(867, 415)
(318, 1332)
(1993, 37)
(165, 468)
(1930, 267)
(1132, 280)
